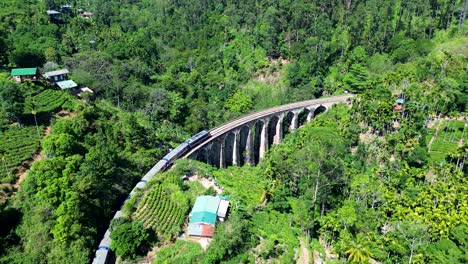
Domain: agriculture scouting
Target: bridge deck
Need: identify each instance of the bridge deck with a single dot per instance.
(231, 125)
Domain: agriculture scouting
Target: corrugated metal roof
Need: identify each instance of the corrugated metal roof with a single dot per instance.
(55, 73)
(207, 231)
(67, 84)
(223, 207)
(201, 230)
(194, 229)
(52, 12)
(206, 204)
(23, 71)
(203, 217)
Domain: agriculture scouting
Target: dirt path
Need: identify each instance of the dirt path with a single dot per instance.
(434, 136)
(304, 255)
(47, 130)
(24, 168)
(206, 183)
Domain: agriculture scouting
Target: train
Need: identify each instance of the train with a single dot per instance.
(103, 254)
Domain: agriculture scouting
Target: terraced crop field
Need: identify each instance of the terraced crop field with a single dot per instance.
(163, 210)
(450, 135)
(46, 101)
(18, 144)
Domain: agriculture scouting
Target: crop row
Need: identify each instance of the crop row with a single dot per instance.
(47, 101)
(18, 144)
(158, 212)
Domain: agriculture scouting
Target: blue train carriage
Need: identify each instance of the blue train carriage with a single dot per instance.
(139, 185)
(160, 166)
(195, 140)
(103, 252)
(175, 153)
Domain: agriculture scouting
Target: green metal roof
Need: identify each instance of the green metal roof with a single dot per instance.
(67, 84)
(23, 71)
(206, 204)
(203, 217)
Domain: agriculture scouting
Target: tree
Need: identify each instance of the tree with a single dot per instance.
(356, 79)
(128, 239)
(12, 100)
(358, 250)
(414, 234)
(240, 102)
(60, 145)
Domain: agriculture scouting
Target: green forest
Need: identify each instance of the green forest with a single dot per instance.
(366, 183)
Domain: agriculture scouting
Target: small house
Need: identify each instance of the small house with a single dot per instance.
(24, 74)
(84, 90)
(399, 105)
(67, 84)
(205, 212)
(53, 13)
(201, 230)
(56, 76)
(86, 14)
(66, 9)
(222, 210)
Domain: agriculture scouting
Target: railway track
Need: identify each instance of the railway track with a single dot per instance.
(225, 128)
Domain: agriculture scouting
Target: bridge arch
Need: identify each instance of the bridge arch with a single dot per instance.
(304, 116)
(320, 109)
(246, 139)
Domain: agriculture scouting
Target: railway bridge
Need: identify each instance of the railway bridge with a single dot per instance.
(241, 141)
(246, 139)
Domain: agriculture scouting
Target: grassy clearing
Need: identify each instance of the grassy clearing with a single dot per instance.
(179, 252)
(447, 139)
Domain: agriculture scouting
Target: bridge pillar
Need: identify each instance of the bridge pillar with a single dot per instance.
(295, 121)
(279, 130)
(264, 139)
(208, 152)
(236, 149)
(222, 153)
(310, 115)
(249, 148)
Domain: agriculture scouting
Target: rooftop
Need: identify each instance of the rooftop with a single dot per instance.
(206, 204)
(203, 217)
(67, 84)
(223, 208)
(23, 71)
(201, 230)
(52, 12)
(55, 73)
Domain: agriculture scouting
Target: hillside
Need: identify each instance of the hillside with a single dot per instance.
(382, 180)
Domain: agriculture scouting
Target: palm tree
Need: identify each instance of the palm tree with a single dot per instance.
(358, 251)
(34, 113)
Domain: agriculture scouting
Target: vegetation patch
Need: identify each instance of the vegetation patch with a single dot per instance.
(447, 136)
(163, 210)
(18, 144)
(179, 252)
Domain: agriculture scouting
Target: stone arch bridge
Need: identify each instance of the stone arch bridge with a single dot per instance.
(246, 139)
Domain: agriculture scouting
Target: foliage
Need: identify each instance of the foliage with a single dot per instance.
(46, 101)
(162, 70)
(18, 144)
(163, 210)
(12, 100)
(179, 252)
(128, 239)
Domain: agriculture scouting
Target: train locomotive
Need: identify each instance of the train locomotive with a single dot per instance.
(103, 251)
